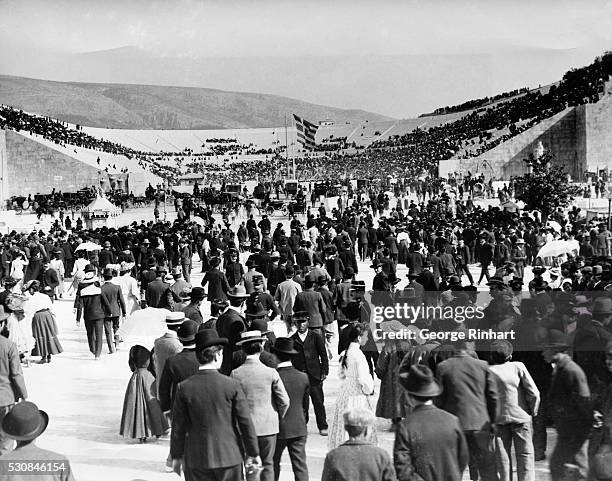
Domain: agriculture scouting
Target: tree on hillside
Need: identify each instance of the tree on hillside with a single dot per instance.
(546, 187)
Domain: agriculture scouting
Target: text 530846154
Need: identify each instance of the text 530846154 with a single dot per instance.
(33, 467)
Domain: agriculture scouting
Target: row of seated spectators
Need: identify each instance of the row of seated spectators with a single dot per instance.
(578, 86)
(474, 104)
(412, 154)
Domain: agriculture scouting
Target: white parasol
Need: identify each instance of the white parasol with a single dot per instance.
(88, 246)
(144, 326)
(558, 247)
(555, 225)
(198, 220)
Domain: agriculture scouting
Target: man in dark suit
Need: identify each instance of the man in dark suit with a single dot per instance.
(207, 408)
(230, 324)
(392, 245)
(292, 428)
(49, 276)
(380, 283)
(486, 252)
(414, 259)
(216, 280)
(303, 257)
(470, 393)
(158, 292)
(312, 302)
(12, 384)
(180, 366)
(429, 444)
(116, 303)
(106, 255)
(311, 359)
(426, 278)
(177, 368)
(571, 410)
(347, 256)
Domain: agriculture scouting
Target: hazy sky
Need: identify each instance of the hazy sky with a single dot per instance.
(226, 28)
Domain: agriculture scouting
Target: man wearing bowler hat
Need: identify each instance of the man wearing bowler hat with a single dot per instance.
(114, 298)
(292, 432)
(571, 410)
(177, 368)
(168, 345)
(158, 292)
(106, 255)
(230, 324)
(470, 393)
(251, 274)
(218, 286)
(311, 359)
(429, 444)
(207, 409)
(180, 366)
(24, 424)
(589, 346)
(192, 310)
(180, 284)
(12, 383)
(266, 395)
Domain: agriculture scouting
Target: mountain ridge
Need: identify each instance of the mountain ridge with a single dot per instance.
(141, 106)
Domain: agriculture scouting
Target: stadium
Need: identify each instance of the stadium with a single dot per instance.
(305, 241)
(490, 136)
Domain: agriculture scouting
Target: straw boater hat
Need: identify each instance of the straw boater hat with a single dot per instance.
(175, 318)
(250, 336)
(238, 292)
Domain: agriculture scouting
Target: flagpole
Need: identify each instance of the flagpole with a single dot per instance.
(286, 146)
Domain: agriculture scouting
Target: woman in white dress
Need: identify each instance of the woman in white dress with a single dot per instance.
(17, 268)
(129, 288)
(78, 271)
(357, 388)
(19, 331)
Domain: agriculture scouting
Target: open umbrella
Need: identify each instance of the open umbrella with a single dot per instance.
(199, 221)
(88, 246)
(510, 206)
(558, 247)
(555, 225)
(144, 326)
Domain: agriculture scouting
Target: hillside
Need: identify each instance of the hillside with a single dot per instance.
(124, 106)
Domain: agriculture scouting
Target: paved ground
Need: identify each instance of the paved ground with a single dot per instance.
(84, 400)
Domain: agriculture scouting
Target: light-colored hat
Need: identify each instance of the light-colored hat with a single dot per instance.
(250, 336)
(175, 318)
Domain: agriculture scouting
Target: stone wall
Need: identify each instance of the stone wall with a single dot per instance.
(598, 128)
(34, 168)
(563, 134)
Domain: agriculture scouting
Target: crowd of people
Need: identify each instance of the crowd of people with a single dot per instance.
(276, 303)
(415, 153)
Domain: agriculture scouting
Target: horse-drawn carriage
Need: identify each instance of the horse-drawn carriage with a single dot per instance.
(276, 207)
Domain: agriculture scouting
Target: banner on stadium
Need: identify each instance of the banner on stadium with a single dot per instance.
(306, 132)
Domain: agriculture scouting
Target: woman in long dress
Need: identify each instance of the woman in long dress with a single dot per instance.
(142, 415)
(390, 403)
(78, 271)
(18, 268)
(44, 327)
(58, 266)
(129, 288)
(357, 388)
(18, 333)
